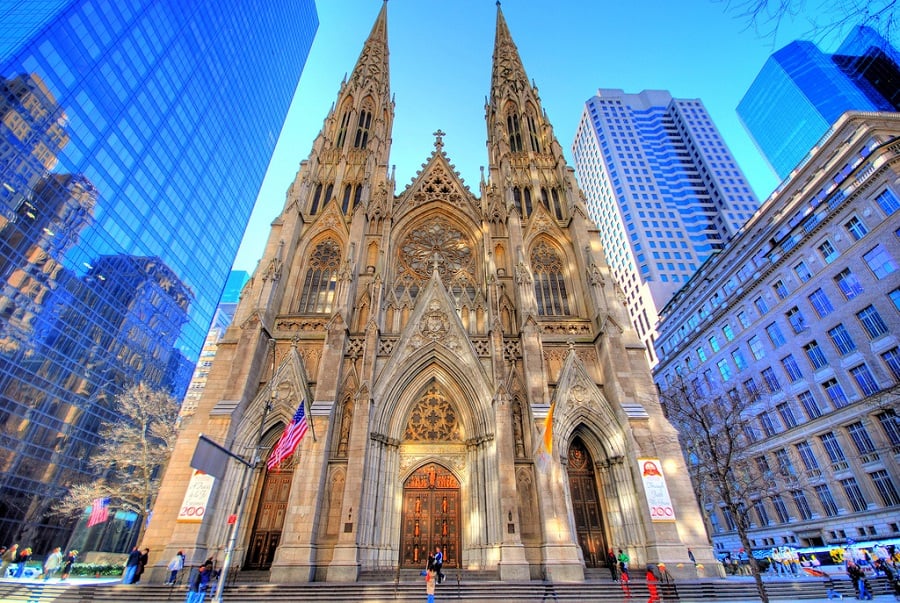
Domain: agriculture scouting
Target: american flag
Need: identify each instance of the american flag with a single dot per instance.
(99, 511)
(291, 437)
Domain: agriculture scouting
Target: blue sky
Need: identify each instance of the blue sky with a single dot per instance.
(440, 62)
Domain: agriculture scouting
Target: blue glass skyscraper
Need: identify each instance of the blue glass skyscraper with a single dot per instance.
(134, 136)
(801, 91)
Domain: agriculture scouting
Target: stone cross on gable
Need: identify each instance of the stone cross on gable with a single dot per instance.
(439, 139)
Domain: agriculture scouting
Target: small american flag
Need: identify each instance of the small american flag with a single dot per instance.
(99, 511)
(291, 437)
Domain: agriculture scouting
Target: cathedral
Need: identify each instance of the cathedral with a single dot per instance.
(471, 376)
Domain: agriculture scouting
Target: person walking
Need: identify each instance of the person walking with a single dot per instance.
(7, 558)
(175, 566)
(612, 562)
(858, 577)
(651, 586)
(439, 564)
(131, 566)
(199, 584)
(68, 562)
(623, 559)
(143, 560)
(53, 563)
(22, 560)
(430, 580)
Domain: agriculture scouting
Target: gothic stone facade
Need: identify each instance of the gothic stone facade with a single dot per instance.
(430, 331)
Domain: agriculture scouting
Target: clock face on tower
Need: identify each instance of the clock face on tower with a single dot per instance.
(436, 243)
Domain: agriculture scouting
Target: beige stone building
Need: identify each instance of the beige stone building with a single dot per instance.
(430, 331)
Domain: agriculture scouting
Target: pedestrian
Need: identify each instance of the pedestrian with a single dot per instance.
(430, 580)
(651, 586)
(131, 566)
(53, 563)
(143, 560)
(623, 559)
(858, 577)
(611, 561)
(623, 580)
(22, 560)
(199, 584)
(71, 556)
(8, 557)
(439, 564)
(175, 566)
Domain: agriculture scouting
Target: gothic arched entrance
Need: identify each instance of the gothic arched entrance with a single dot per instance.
(430, 516)
(586, 505)
(269, 521)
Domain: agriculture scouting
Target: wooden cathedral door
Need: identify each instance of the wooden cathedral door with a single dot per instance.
(586, 506)
(430, 517)
(269, 522)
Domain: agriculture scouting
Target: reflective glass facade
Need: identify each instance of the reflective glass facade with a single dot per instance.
(801, 91)
(134, 138)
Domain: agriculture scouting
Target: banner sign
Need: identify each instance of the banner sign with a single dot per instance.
(657, 492)
(193, 508)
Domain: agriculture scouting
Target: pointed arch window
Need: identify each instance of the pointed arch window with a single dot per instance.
(515, 133)
(329, 190)
(549, 282)
(345, 202)
(342, 129)
(529, 208)
(317, 196)
(321, 279)
(557, 207)
(517, 199)
(357, 197)
(362, 129)
(545, 198)
(533, 133)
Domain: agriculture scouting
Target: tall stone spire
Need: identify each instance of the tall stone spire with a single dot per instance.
(523, 150)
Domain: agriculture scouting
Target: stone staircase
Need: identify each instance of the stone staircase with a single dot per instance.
(412, 588)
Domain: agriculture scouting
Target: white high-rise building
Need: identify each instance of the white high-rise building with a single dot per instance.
(664, 190)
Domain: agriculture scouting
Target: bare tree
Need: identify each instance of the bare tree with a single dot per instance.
(129, 462)
(833, 17)
(715, 429)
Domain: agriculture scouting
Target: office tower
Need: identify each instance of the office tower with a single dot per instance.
(134, 137)
(664, 190)
(427, 331)
(798, 319)
(801, 91)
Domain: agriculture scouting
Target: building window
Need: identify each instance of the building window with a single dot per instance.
(742, 318)
(549, 284)
(739, 361)
(833, 449)
(761, 513)
(795, 318)
(785, 465)
(865, 380)
(854, 494)
(767, 424)
(880, 262)
(362, 129)
(820, 303)
(872, 322)
(835, 393)
(848, 283)
(321, 279)
(787, 415)
(890, 423)
(888, 202)
(803, 272)
(756, 347)
(761, 305)
(808, 456)
(802, 505)
(815, 355)
(791, 368)
(342, 131)
(828, 252)
(809, 404)
(729, 520)
(780, 509)
(841, 340)
(856, 228)
(701, 354)
(885, 487)
(724, 369)
(752, 388)
(829, 507)
(780, 290)
(861, 439)
(515, 133)
(775, 335)
(771, 380)
(892, 360)
(895, 297)
(728, 332)
(714, 343)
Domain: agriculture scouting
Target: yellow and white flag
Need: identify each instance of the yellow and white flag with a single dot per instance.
(544, 451)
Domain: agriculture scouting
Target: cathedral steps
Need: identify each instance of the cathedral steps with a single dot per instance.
(487, 591)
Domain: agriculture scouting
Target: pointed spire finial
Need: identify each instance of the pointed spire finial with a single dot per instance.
(439, 139)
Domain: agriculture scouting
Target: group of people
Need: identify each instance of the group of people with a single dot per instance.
(134, 565)
(433, 572)
(55, 564)
(618, 567)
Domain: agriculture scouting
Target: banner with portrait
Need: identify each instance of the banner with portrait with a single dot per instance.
(657, 492)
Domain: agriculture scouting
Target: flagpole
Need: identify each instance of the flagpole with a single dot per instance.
(241, 501)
